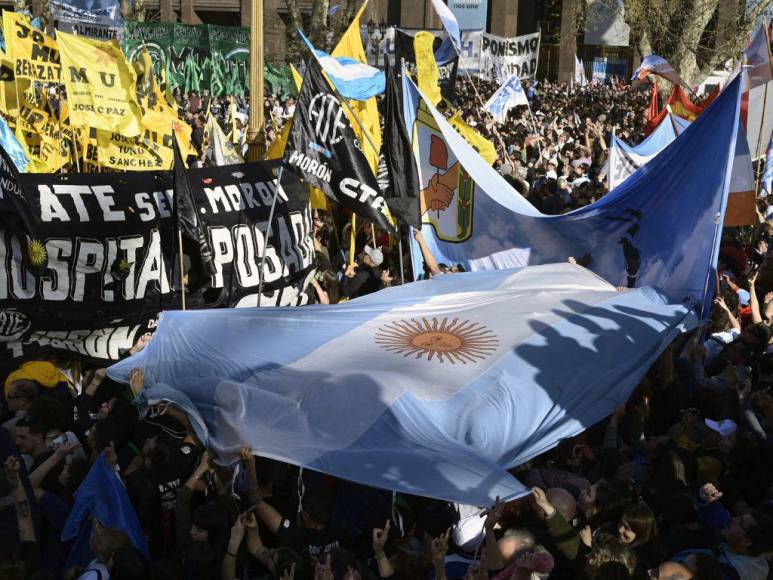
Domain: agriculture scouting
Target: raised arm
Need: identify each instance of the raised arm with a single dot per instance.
(753, 302)
(429, 259)
(20, 500)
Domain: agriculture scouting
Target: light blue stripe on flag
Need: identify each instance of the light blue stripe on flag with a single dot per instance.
(352, 79)
(434, 388)
(11, 145)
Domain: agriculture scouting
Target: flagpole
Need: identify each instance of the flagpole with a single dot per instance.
(182, 265)
(400, 251)
(761, 166)
(268, 231)
(483, 105)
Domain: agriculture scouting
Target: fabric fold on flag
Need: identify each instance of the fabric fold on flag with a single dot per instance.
(767, 176)
(452, 381)
(665, 220)
(352, 79)
(757, 59)
(483, 146)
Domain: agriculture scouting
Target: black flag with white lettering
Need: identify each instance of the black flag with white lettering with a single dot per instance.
(323, 150)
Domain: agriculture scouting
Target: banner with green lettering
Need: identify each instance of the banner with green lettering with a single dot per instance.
(195, 58)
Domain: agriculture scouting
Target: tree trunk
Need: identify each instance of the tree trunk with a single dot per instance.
(318, 26)
(684, 59)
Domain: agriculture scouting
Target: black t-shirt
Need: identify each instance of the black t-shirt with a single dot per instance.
(306, 540)
(364, 282)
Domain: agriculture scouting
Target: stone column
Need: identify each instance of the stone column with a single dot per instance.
(167, 11)
(568, 41)
(418, 14)
(504, 17)
(187, 13)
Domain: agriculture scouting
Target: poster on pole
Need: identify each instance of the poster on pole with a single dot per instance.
(502, 57)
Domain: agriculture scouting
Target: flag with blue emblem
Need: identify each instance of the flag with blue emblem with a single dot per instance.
(434, 388)
(661, 227)
(509, 95)
(351, 78)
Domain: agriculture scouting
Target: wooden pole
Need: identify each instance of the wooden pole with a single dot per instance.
(182, 263)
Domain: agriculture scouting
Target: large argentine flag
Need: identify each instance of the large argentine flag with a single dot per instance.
(661, 227)
(351, 78)
(433, 388)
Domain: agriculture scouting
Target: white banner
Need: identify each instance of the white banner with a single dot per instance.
(502, 57)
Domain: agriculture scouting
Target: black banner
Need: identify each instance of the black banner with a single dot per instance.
(89, 260)
(404, 53)
(322, 149)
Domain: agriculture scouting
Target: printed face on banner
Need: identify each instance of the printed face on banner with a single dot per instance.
(447, 192)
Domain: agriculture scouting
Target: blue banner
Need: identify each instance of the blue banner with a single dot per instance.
(470, 14)
(660, 227)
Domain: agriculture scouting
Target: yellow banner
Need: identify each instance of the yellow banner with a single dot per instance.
(34, 54)
(41, 135)
(427, 73)
(101, 86)
(9, 104)
(479, 142)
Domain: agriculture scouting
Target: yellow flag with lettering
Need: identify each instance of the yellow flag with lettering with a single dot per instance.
(40, 135)
(34, 54)
(479, 142)
(427, 72)
(366, 112)
(101, 85)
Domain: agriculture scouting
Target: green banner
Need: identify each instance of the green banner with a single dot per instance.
(195, 57)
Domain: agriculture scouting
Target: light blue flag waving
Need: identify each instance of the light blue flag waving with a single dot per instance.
(661, 227)
(351, 78)
(433, 388)
(624, 160)
(12, 147)
(449, 23)
(509, 95)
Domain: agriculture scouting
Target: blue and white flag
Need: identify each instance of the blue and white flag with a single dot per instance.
(351, 78)
(654, 64)
(12, 147)
(767, 176)
(434, 388)
(660, 228)
(624, 160)
(449, 23)
(509, 95)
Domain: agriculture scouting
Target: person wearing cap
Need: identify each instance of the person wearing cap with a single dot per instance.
(362, 279)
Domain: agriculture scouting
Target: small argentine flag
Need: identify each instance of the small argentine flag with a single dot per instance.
(505, 98)
(353, 79)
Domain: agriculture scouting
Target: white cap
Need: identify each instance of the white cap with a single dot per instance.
(374, 254)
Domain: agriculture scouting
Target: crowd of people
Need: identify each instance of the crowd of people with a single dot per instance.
(677, 484)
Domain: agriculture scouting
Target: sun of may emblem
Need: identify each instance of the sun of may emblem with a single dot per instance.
(454, 341)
